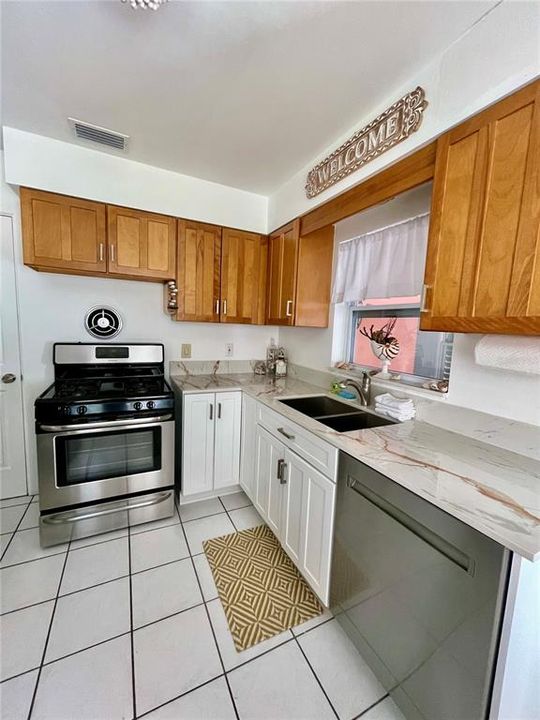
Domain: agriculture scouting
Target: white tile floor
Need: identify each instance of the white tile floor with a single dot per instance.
(129, 624)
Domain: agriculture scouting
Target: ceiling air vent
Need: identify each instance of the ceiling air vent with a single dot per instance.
(94, 133)
(103, 322)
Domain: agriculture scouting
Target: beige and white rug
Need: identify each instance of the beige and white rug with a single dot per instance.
(260, 588)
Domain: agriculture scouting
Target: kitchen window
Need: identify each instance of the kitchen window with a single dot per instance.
(379, 278)
(422, 355)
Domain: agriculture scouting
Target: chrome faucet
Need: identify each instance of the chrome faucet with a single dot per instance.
(363, 390)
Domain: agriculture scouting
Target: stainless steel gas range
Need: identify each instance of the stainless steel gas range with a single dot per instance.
(105, 440)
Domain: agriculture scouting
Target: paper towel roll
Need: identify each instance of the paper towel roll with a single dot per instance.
(508, 352)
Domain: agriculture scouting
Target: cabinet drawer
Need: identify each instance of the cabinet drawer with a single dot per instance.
(317, 452)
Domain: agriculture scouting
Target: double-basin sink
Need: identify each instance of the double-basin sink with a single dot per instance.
(337, 415)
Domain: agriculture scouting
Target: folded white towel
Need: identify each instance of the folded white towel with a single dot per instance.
(393, 402)
(393, 414)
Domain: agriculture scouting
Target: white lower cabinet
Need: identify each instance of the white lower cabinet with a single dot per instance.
(210, 441)
(228, 413)
(248, 445)
(317, 524)
(269, 453)
(198, 443)
(297, 502)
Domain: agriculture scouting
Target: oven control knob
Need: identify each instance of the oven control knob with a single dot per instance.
(82, 410)
(150, 404)
(137, 405)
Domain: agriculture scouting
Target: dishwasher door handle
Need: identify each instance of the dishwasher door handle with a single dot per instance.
(438, 543)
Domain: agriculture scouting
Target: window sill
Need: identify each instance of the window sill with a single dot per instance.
(396, 385)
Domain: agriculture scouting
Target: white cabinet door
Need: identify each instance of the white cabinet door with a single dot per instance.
(198, 443)
(247, 446)
(267, 498)
(318, 499)
(293, 490)
(228, 406)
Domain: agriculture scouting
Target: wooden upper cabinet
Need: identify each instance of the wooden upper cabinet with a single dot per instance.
(299, 276)
(282, 265)
(483, 263)
(63, 233)
(198, 271)
(141, 244)
(243, 277)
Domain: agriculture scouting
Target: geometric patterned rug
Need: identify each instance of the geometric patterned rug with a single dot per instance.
(260, 588)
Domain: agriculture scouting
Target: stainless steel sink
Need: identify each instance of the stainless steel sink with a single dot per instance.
(354, 421)
(319, 406)
(335, 414)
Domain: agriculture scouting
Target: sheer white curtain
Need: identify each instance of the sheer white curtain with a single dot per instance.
(386, 263)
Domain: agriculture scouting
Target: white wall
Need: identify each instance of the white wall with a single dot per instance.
(41, 162)
(52, 309)
(497, 55)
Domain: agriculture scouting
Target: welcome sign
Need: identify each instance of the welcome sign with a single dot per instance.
(387, 130)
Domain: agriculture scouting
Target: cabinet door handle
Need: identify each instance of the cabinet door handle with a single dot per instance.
(284, 432)
(423, 307)
(281, 468)
(101, 251)
(217, 307)
(288, 309)
(211, 411)
(219, 411)
(112, 252)
(224, 307)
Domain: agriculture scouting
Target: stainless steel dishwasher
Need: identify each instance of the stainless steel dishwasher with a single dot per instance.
(420, 594)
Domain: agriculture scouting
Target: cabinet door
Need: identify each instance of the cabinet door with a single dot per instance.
(141, 244)
(282, 267)
(483, 262)
(292, 499)
(228, 406)
(198, 443)
(267, 483)
(63, 232)
(310, 536)
(198, 271)
(248, 445)
(243, 277)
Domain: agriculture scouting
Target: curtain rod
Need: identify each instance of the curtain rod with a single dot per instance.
(386, 227)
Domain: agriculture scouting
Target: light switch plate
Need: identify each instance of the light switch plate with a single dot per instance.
(228, 349)
(186, 350)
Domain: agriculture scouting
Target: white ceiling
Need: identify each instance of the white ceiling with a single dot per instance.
(242, 93)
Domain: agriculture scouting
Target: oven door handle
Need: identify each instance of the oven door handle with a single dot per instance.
(105, 424)
(62, 518)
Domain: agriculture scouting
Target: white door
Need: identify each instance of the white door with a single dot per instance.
(198, 443)
(247, 445)
(12, 459)
(228, 406)
(293, 490)
(318, 501)
(267, 488)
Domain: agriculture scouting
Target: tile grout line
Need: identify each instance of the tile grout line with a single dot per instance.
(48, 634)
(356, 717)
(211, 626)
(188, 692)
(132, 642)
(227, 513)
(317, 678)
(16, 528)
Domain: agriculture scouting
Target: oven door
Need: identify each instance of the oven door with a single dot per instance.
(104, 460)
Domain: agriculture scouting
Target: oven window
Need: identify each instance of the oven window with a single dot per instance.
(107, 455)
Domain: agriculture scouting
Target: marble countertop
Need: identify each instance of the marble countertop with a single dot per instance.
(493, 490)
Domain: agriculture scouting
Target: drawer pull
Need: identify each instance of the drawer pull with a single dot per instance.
(287, 435)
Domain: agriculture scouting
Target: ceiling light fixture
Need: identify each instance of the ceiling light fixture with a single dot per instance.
(143, 4)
